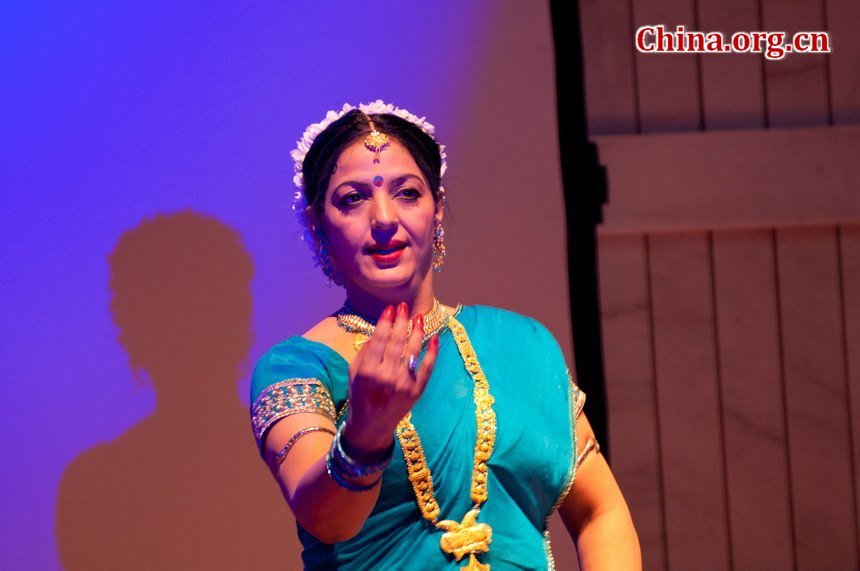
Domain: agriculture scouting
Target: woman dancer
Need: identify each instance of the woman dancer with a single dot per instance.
(410, 434)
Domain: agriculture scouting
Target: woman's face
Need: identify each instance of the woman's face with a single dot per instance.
(380, 237)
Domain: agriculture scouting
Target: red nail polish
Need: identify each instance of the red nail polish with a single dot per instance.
(419, 323)
(402, 308)
(388, 314)
(434, 341)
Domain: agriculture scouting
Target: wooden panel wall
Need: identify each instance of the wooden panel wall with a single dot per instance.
(738, 103)
(634, 410)
(796, 87)
(632, 92)
(667, 87)
(842, 17)
(750, 378)
(688, 400)
(732, 349)
(732, 362)
(816, 397)
(849, 266)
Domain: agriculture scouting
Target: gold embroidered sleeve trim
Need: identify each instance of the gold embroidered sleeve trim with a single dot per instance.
(286, 398)
(576, 402)
(578, 399)
(591, 445)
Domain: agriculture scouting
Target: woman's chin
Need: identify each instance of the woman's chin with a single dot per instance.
(392, 280)
(387, 279)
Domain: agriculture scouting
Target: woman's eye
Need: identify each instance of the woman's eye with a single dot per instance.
(410, 193)
(351, 199)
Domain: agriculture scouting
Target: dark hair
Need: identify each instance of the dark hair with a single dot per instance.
(321, 159)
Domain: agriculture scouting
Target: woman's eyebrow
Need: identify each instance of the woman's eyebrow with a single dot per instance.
(353, 183)
(359, 185)
(403, 178)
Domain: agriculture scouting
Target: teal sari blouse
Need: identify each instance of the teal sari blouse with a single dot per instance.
(530, 471)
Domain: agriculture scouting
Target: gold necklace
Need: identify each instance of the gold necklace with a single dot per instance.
(434, 321)
(466, 537)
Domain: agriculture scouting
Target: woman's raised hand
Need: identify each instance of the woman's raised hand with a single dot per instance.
(382, 389)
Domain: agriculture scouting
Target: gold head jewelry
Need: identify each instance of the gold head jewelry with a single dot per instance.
(376, 142)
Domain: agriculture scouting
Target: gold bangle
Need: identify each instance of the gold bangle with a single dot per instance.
(282, 453)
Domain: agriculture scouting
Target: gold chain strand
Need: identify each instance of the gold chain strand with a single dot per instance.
(466, 537)
(484, 414)
(419, 473)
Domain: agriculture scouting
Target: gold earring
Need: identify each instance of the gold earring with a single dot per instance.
(438, 246)
(323, 260)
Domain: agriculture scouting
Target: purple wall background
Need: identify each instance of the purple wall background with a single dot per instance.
(112, 114)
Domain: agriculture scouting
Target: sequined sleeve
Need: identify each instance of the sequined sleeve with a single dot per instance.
(286, 398)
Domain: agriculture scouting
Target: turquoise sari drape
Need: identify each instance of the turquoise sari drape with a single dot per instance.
(529, 472)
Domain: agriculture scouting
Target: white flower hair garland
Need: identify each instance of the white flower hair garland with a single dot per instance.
(303, 145)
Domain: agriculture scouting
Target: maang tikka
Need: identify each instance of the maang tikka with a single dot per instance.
(376, 142)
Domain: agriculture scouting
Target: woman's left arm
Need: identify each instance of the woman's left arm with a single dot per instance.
(596, 514)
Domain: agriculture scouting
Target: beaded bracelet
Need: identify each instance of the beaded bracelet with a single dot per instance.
(341, 481)
(348, 466)
(342, 468)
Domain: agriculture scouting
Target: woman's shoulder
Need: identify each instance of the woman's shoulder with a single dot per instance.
(295, 357)
(293, 346)
(516, 333)
(316, 343)
(516, 340)
(511, 321)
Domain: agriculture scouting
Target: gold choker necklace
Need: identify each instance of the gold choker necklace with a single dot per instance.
(348, 319)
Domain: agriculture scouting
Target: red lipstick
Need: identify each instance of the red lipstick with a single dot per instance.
(387, 253)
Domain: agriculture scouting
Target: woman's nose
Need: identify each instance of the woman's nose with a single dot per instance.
(383, 214)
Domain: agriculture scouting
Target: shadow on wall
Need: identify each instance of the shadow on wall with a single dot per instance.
(185, 488)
